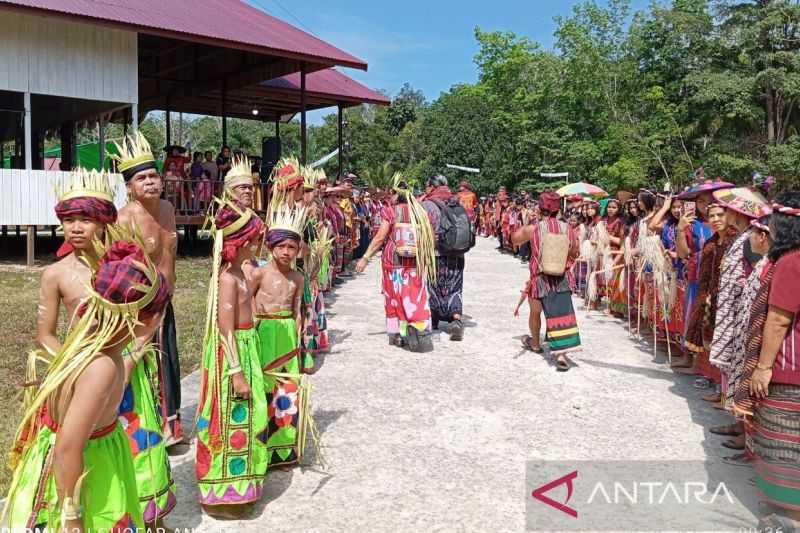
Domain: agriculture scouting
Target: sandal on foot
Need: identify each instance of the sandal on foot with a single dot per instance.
(776, 522)
(527, 344)
(726, 431)
(733, 445)
(738, 459)
(712, 398)
(562, 365)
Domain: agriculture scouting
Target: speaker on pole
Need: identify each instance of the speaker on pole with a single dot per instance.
(270, 154)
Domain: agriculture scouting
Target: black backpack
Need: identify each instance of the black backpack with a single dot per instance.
(455, 235)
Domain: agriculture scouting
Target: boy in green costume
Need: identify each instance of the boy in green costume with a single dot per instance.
(231, 455)
(278, 308)
(71, 459)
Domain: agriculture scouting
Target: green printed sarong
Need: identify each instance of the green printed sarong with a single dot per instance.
(139, 416)
(280, 353)
(231, 457)
(108, 492)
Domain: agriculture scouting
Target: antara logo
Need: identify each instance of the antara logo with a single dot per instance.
(539, 494)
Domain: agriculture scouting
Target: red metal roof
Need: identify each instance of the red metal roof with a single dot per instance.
(329, 84)
(231, 23)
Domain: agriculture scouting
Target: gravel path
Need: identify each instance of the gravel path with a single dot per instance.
(438, 441)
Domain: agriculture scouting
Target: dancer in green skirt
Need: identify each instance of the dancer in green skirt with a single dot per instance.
(232, 457)
(278, 310)
(71, 459)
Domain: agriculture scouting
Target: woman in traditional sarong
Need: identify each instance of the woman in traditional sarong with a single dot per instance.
(742, 206)
(669, 313)
(769, 392)
(691, 236)
(408, 262)
(700, 330)
(550, 293)
(231, 453)
(72, 465)
(580, 269)
(594, 277)
(612, 263)
(645, 285)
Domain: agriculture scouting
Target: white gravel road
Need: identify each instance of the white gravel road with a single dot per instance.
(439, 441)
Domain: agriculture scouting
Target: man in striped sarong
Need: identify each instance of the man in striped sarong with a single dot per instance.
(550, 293)
(769, 393)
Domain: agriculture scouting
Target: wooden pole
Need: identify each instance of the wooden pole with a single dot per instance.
(223, 111)
(101, 140)
(30, 243)
(169, 126)
(28, 133)
(134, 117)
(341, 138)
(303, 140)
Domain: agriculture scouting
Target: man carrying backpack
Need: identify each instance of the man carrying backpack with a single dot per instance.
(454, 237)
(554, 247)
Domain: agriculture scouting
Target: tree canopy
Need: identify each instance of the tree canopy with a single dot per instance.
(622, 100)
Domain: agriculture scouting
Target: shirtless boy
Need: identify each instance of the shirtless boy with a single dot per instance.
(145, 411)
(70, 430)
(84, 208)
(232, 412)
(277, 303)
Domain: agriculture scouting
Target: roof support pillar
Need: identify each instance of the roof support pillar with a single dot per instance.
(303, 140)
(28, 133)
(135, 117)
(340, 157)
(222, 113)
(101, 138)
(168, 124)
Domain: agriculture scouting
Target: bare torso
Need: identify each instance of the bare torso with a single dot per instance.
(244, 297)
(277, 291)
(158, 230)
(64, 283)
(59, 402)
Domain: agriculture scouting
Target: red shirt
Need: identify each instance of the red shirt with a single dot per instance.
(784, 294)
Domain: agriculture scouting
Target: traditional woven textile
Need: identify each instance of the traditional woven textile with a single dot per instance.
(446, 295)
(743, 403)
(776, 446)
(728, 341)
(562, 327)
(231, 456)
(735, 370)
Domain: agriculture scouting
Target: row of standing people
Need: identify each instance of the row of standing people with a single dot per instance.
(712, 273)
(91, 450)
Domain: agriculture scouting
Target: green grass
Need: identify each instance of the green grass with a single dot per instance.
(19, 290)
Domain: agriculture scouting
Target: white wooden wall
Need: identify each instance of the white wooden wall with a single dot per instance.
(27, 197)
(52, 56)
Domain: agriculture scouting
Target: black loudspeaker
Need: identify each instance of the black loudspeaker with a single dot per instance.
(270, 154)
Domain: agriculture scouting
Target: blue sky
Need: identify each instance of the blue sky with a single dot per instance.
(428, 43)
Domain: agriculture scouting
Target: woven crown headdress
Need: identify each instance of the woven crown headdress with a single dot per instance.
(288, 218)
(101, 321)
(312, 176)
(87, 183)
(133, 155)
(240, 173)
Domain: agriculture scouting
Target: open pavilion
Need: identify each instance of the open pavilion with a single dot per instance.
(70, 62)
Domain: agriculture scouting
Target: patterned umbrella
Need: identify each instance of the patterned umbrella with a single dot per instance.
(583, 189)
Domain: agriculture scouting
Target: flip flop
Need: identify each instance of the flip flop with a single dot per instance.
(739, 459)
(561, 364)
(526, 343)
(776, 522)
(733, 445)
(726, 431)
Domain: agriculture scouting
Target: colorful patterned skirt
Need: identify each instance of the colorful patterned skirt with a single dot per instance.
(169, 378)
(108, 492)
(280, 353)
(446, 295)
(580, 272)
(315, 338)
(405, 301)
(670, 317)
(561, 324)
(231, 455)
(140, 417)
(618, 298)
(776, 446)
